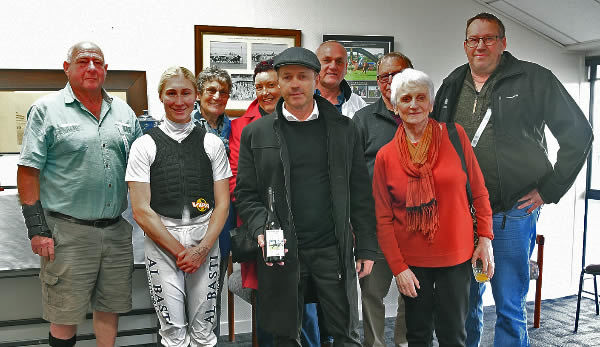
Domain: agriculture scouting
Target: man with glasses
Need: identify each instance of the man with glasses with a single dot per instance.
(504, 105)
(332, 85)
(377, 125)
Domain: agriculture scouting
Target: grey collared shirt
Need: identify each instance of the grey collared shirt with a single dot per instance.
(81, 159)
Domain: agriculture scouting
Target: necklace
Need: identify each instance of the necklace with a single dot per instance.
(479, 81)
(418, 151)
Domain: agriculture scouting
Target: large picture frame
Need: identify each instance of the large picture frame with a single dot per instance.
(17, 85)
(363, 52)
(237, 50)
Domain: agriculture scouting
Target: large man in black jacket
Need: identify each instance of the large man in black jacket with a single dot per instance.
(504, 105)
(311, 156)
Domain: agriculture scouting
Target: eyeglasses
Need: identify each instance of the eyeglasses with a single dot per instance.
(472, 42)
(387, 77)
(211, 91)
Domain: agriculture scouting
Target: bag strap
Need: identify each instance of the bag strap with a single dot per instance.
(453, 135)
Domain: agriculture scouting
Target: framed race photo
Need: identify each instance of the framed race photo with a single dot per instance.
(363, 53)
(237, 50)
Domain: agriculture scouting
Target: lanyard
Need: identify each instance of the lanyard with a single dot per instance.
(484, 121)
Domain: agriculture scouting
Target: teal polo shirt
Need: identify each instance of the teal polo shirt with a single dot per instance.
(82, 160)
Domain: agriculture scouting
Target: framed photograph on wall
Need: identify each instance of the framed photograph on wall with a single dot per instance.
(363, 52)
(237, 50)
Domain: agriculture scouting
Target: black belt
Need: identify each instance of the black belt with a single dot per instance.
(98, 223)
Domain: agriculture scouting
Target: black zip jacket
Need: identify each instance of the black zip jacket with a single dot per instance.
(526, 98)
(376, 127)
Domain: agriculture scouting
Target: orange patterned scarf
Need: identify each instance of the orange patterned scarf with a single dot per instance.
(421, 204)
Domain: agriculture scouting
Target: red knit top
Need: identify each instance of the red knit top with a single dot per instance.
(237, 125)
(453, 242)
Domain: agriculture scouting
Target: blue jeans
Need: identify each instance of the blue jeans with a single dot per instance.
(514, 240)
(309, 336)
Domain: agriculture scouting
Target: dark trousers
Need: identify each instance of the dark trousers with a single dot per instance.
(322, 267)
(265, 339)
(442, 301)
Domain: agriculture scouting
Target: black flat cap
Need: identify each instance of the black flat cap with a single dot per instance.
(297, 56)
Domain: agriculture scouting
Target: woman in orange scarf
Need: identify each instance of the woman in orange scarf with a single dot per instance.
(424, 225)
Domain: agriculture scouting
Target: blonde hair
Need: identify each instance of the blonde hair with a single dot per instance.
(175, 71)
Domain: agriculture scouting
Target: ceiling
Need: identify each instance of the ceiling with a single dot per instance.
(572, 24)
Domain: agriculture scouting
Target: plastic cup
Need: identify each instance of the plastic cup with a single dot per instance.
(480, 275)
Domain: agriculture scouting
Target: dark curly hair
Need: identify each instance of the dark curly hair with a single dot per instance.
(210, 74)
(263, 66)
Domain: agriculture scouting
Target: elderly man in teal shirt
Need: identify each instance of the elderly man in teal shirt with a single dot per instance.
(72, 189)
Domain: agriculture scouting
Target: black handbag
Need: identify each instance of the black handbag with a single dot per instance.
(243, 247)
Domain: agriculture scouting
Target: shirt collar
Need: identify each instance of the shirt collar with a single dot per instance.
(346, 90)
(177, 131)
(343, 96)
(291, 118)
(382, 110)
(69, 95)
(497, 71)
(197, 116)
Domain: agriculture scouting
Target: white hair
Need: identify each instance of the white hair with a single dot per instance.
(411, 78)
(73, 50)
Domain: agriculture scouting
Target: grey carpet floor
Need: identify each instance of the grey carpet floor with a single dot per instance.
(556, 325)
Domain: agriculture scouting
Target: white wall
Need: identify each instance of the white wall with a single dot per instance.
(152, 35)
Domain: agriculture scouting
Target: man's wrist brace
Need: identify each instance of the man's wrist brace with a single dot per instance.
(35, 220)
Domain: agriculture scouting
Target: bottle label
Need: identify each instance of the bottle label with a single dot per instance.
(275, 245)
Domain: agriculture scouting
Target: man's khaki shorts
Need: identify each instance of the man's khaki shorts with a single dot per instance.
(91, 265)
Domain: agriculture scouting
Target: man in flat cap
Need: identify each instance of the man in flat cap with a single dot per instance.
(310, 155)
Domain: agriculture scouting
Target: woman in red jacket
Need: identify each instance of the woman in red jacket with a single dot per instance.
(267, 95)
(424, 225)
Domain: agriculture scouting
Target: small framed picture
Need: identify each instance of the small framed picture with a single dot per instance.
(363, 53)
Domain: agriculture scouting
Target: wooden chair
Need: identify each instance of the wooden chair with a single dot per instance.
(231, 311)
(535, 273)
